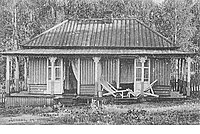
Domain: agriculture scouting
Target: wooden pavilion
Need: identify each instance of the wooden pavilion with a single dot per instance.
(73, 56)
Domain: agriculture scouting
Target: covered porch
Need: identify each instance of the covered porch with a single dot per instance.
(57, 73)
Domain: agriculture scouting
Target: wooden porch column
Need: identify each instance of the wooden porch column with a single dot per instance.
(97, 79)
(79, 76)
(25, 72)
(62, 74)
(184, 75)
(17, 74)
(118, 73)
(67, 74)
(142, 60)
(7, 75)
(189, 60)
(52, 60)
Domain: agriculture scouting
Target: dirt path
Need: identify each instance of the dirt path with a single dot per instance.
(24, 119)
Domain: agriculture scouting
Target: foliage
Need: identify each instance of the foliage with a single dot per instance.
(133, 116)
(174, 19)
(24, 19)
(161, 113)
(21, 20)
(195, 9)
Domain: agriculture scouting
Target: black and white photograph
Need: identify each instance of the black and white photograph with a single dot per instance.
(100, 62)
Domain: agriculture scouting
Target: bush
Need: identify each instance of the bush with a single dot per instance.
(132, 117)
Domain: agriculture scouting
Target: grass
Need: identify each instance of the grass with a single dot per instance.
(147, 113)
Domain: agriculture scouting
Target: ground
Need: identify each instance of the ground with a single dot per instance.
(166, 112)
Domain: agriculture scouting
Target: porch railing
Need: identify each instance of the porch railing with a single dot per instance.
(179, 77)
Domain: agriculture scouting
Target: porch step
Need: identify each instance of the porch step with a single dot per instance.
(162, 91)
(69, 95)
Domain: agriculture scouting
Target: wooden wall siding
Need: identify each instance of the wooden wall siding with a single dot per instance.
(18, 101)
(160, 69)
(126, 70)
(87, 71)
(37, 89)
(109, 69)
(87, 89)
(38, 70)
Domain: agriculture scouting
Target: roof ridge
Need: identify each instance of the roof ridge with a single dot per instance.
(154, 36)
(156, 32)
(46, 31)
(59, 24)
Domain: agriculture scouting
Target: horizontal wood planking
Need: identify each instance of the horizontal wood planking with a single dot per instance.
(87, 90)
(37, 88)
(162, 91)
(18, 101)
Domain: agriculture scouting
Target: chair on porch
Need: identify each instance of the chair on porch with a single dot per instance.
(131, 93)
(111, 90)
(149, 90)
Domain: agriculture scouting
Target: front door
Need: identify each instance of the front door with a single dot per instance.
(138, 77)
(58, 76)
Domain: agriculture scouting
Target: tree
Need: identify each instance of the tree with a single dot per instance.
(174, 19)
(21, 20)
(195, 9)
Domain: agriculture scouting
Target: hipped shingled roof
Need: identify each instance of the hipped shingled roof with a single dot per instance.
(97, 33)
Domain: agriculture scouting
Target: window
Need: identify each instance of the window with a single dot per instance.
(138, 74)
(57, 62)
(138, 63)
(49, 63)
(57, 73)
(49, 70)
(139, 70)
(49, 73)
(57, 69)
(146, 74)
(146, 63)
(146, 70)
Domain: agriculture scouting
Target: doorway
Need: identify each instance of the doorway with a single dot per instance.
(70, 81)
(127, 73)
(58, 70)
(138, 74)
